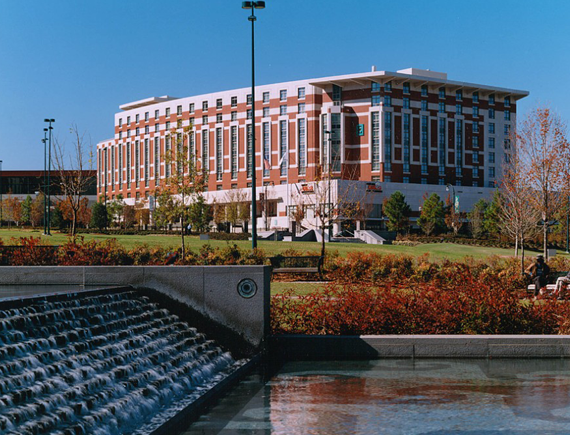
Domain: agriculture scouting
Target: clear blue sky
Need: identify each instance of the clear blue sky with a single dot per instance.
(77, 61)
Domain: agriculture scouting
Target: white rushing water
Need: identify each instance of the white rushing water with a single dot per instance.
(106, 364)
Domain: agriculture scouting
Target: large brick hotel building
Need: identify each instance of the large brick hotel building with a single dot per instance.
(412, 130)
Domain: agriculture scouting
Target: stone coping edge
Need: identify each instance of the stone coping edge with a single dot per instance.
(315, 347)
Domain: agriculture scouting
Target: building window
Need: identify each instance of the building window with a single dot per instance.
(375, 87)
(475, 141)
(234, 116)
(120, 135)
(475, 111)
(507, 101)
(458, 109)
(491, 128)
(156, 114)
(204, 105)
(219, 118)
(375, 141)
(302, 146)
(283, 109)
(234, 101)
(491, 142)
(266, 131)
(475, 158)
(336, 94)
(406, 142)
(387, 179)
(234, 151)
(146, 116)
(128, 163)
(301, 107)
(475, 97)
(219, 104)
(265, 97)
(507, 115)
(301, 93)
(283, 95)
(475, 172)
(137, 163)
(204, 119)
(249, 151)
(424, 106)
(179, 111)
(492, 99)
(424, 91)
(167, 126)
(406, 180)
(458, 147)
(491, 157)
(507, 130)
(249, 113)
(335, 141)
(137, 118)
(442, 92)
(441, 107)
(156, 128)
(388, 87)
(475, 127)
(406, 88)
(120, 122)
(387, 141)
(146, 162)
(424, 144)
(138, 131)
(249, 99)
(424, 180)
(168, 111)
(219, 154)
(283, 147)
(156, 158)
(441, 145)
(266, 112)
(192, 148)
(387, 101)
(459, 95)
(491, 172)
(146, 129)
(120, 164)
(375, 100)
(205, 153)
(128, 133)
(491, 113)
(191, 108)
(128, 120)
(406, 103)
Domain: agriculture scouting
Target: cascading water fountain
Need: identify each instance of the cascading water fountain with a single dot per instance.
(112, 363)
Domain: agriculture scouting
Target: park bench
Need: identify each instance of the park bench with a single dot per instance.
(300, 264)
(551, 285)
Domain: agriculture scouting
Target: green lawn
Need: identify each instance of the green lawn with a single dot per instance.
(435, 250)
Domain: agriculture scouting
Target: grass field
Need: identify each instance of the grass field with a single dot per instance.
(435, 250)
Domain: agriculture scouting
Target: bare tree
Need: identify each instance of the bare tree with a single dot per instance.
(517, 213)
(541, 145)
(73, 176)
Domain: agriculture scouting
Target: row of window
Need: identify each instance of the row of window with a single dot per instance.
(219, 105)
(376, 87)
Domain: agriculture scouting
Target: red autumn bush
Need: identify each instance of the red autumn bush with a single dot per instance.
(462, 305)
(30, 252)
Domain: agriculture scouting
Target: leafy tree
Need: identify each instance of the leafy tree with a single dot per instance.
(184, 186)
(398, 212)
(98, 216)
(432, 217)
(477, 218)
(37, 210)
(57, 220)
(27, 210)
(115, 211)
(491, 221)
(453, 217)
(200, 214)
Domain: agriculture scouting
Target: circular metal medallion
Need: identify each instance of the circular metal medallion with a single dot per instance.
(247, 288)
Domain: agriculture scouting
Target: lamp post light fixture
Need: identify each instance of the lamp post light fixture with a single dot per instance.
(253, 5)
(45, 140)
(449, 187)
(50, 128)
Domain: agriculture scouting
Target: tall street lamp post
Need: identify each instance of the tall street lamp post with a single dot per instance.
(50, 128)
(44, 140)
(253, 5)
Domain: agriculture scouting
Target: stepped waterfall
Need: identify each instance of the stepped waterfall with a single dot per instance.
(113, 363)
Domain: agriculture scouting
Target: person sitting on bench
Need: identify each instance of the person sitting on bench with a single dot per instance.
(561, 286)
(538, 271)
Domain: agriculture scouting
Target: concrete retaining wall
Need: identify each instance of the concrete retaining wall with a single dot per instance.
(210, 290)
(298, 347)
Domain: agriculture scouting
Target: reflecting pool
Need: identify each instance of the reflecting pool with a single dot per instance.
(506, 396)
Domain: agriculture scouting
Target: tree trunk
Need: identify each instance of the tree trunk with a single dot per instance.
(522, 256)
(517, 245)
(182, 232)
(73, 222)
(545, 237)
(323, 241)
